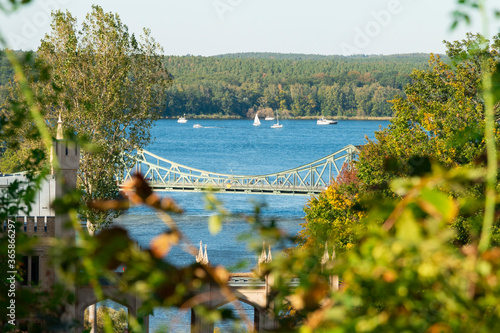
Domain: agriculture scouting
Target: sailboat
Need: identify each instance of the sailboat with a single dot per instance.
(256, 121)
(182, 119)
(277, 125)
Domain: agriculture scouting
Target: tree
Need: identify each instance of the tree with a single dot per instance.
(108, 87)
(441, 117)
(332, 217)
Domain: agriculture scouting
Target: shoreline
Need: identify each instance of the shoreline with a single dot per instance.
(343, 118)
(218, 117)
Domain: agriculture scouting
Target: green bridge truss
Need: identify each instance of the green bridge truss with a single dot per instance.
(308, 179)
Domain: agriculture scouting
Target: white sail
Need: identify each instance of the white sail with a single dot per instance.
(256, 121)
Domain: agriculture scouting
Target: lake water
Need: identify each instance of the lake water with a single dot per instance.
(238, 147)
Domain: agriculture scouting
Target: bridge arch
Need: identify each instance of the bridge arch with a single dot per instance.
(239, 297)
(82, 309)
(86, 297)
(251, 292)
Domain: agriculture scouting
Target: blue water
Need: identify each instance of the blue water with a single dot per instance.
(238, 147)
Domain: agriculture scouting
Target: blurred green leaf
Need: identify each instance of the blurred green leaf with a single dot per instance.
(407, 228)
(438, 205)
(496, 83)
(214, 224)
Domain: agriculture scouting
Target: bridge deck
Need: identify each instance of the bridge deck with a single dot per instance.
(228, 188)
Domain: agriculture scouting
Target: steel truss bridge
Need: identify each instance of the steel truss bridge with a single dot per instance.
(308, 179)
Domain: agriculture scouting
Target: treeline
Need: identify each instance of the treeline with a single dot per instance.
(297, 85)
(7, 72)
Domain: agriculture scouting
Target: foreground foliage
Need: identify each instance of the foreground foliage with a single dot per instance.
(406, 271)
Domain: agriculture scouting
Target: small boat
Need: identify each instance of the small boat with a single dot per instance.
(269, 118)
(324, 121)
(182, 119)
(256, 121)
(197, 126)
(277, 125)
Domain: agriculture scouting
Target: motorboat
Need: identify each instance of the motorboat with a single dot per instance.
(197, 126)
(256, 121)
(269, 118)
(182, 119)
(324, 121)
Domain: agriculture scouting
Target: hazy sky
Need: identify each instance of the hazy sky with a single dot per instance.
(209, 27)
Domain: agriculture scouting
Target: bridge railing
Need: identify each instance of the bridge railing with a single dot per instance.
(311, 178)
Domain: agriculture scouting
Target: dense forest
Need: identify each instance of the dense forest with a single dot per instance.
(295, 85)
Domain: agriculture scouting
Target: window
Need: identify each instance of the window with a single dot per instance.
(35, 270)
(30, 271)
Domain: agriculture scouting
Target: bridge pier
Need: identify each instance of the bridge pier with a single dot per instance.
(267, 322)
(247, 289)
(263, 322)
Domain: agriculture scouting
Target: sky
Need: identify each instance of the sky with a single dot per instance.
(211, 27)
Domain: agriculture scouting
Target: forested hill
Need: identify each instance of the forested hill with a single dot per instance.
(269, 55)
(295, 85)
(300, 56)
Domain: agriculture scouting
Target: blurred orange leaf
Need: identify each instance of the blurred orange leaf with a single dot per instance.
(439, 328)
(161, 244)
(221, 275)
(139, 192)
(104, 205)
